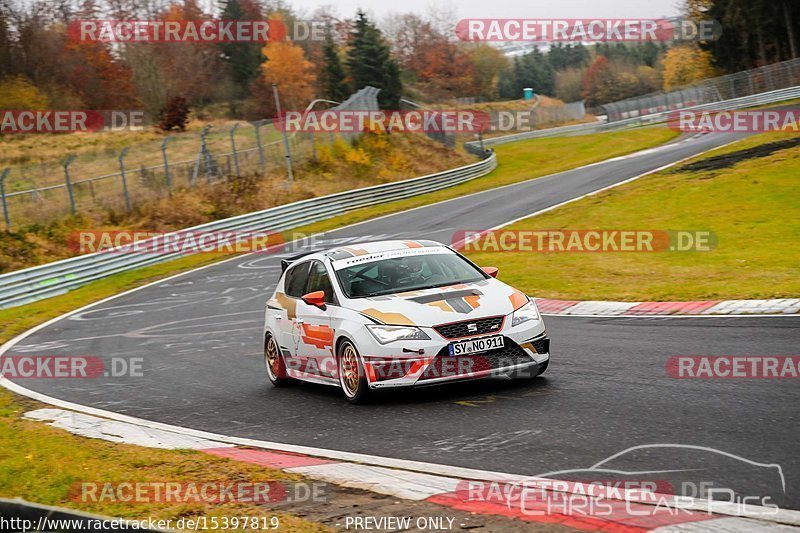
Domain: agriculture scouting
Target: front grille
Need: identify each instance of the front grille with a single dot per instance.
(542, 345)
(482, 326)
(445, 365)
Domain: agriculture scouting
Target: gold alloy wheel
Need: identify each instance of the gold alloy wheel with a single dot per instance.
(349, 369)
(272, 357)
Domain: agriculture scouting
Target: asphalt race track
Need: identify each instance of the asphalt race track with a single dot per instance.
(606, 390)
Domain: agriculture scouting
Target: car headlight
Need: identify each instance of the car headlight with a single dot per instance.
(387, 334)
(524, 314)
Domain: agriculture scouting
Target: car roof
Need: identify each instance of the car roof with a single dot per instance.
(359, 249)
(368, 248)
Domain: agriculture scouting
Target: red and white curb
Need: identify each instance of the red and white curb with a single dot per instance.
(442, 485)
(785, 306)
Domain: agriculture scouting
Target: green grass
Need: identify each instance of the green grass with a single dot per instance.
(42, 464)
(752, 207)
(518, 162)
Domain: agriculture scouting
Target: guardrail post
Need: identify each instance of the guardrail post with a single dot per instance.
(233, 149)
(261, 160)
(67, 162)
(166, 163)
(6, 215)
(122, 155)
(283, 130)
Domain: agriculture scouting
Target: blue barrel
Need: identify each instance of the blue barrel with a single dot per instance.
(527, 93)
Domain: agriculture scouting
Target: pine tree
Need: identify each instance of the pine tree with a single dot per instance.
(243, 58)
(370, 63)
(7, 55)
(334, 77)
(393, 90)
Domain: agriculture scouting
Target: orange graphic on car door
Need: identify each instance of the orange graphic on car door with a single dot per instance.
(318, 336)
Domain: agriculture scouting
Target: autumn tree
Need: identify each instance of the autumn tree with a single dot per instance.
(97, 78)
(569, 84)
(488, 65)
(191, 70)
(93, 73)
(19, 93)
(686, 64)
(285, 65)
(174, 115)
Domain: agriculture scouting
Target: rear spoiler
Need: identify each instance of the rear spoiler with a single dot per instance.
(286, 263)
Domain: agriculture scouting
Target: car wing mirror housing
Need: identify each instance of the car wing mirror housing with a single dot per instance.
(316, 298)
(492, 271)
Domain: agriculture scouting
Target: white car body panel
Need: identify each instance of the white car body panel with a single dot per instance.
(309, 336)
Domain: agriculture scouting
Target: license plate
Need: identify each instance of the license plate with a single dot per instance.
(477, 345)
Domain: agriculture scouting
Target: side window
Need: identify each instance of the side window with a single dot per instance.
(296, 280)
(319, 280)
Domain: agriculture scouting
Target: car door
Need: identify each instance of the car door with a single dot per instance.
(313, 335)
(294, 286)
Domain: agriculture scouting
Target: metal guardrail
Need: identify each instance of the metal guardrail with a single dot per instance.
(759, 80)
(36, 283)
(771, 97)
(136, 176)
(44, 281)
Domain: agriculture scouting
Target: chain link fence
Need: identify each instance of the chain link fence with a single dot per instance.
(747, 83)
(119, 179)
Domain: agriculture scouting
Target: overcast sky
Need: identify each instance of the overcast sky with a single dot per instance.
(502, 8)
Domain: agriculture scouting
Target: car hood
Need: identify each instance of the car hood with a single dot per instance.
(441, 305)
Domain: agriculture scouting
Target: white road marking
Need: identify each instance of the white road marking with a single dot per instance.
(724, 525)
(123, 432)
(400, 483)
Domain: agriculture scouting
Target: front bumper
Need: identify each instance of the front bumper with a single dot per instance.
(422, 363)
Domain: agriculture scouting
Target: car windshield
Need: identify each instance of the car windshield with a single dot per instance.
(401, 274)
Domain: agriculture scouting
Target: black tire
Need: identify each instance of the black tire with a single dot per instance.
(273, 360)
(352, 377)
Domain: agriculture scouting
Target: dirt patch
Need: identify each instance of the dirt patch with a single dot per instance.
(345, 502)
(729, 160)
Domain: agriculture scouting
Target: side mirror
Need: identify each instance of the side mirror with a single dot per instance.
(316, 298)
(492, 271)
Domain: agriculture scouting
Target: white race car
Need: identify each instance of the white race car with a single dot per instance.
(398, 314)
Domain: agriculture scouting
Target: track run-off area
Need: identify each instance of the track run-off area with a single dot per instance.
(607, 388)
